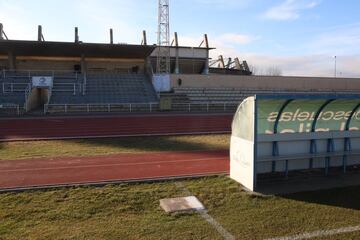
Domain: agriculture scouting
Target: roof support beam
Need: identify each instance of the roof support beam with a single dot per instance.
(313, 126)
(40, 34)
(205, 41)
(111, 36)
(221, 62)
(237, 64)
(144, 39)
(12, 61)
(2, 33)
(76, 35)
(347, 126)
(177, 64)
(206, 66)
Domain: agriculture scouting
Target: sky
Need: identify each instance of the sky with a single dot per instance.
(299, 37)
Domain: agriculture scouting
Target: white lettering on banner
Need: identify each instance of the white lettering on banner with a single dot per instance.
(309, 116)
(298, 118)
(42, 81)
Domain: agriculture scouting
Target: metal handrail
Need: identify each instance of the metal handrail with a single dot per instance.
(27, 94)
(40, 70)
(11, 106)
(131, 107)
(84, 84)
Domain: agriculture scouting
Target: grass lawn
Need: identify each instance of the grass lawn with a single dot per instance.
(131, 211)
(91, 147)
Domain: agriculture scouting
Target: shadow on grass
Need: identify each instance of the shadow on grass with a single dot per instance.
(154, 144)
(313, 186)
(347, 197)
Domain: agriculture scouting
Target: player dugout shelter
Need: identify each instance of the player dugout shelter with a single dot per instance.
(283, 133)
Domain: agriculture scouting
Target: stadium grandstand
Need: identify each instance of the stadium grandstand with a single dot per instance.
(43, 77)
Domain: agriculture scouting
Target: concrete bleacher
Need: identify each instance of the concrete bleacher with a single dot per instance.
(66, 88)
(211, 95)
(231, 95)
(12, 93)
(106, 88)
(13, 88)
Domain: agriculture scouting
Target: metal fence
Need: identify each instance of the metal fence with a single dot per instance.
(30, 73)
(10, 109)
(138, 107)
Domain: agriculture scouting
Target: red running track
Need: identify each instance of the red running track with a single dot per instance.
(112, 126)
(32, 173)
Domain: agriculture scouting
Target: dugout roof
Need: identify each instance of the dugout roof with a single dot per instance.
(282, 133)
(71, 49)
(279, 114)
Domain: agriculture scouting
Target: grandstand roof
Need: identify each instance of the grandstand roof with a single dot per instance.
(71, 49)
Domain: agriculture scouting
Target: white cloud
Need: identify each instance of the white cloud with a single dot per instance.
(15, 21)
(227, 40)
(312, 64)
(307, 65)
(93, 17)
(239, 39)
(340, 40)
(289, 9)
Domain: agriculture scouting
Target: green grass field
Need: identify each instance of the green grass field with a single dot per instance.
(91, 147)
(131, 211)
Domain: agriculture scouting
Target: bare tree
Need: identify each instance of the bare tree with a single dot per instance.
(254, 69)
(273, 71)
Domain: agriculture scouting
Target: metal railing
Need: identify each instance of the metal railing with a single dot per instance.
(65, 87)
(138, 107)
(84, 84)
(13, 87)
(205, 107)
(11, 76)
(101, 108)
(10, 109)
(30, 73)
(27, 95)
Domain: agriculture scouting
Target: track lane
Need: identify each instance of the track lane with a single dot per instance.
(121, 167)
(137, 125)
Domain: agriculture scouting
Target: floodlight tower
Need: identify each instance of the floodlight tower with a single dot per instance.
(163, 41)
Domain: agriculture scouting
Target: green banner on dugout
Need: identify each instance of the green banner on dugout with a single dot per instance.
(299, 115)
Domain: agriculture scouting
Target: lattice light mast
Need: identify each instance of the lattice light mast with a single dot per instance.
(163, 57)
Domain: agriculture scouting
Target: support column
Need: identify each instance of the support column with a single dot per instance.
(206, 67)
(40, 33)
(275, 148)
(76, 35)
(111, 36)
(144, 40)
(12, 61)
(1, 31)
(83, 64)
(347, 140)
(177, 64)
(313, 144)
(83, 71)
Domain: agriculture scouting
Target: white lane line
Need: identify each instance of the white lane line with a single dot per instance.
(220, 229)
(111, 165)
(19, 139)
(321, 233)
(150, 179)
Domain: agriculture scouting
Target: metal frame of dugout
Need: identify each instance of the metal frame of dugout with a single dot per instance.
(283, 133)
